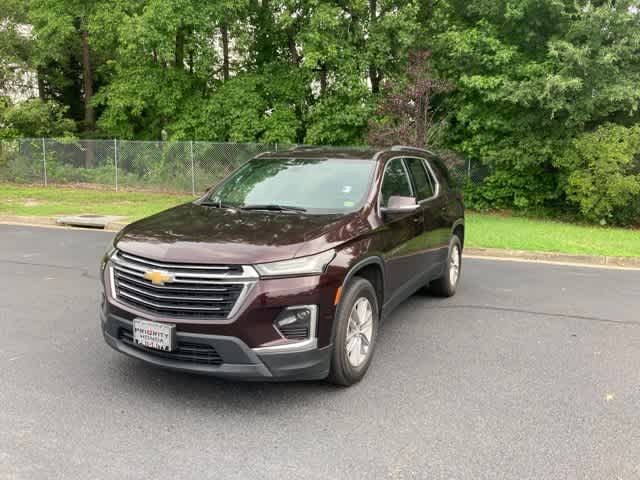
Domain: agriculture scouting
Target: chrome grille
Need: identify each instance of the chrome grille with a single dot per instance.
(208, 291)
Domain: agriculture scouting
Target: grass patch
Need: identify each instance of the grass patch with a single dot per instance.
(51, 201)
(483, 230)
(520, 233)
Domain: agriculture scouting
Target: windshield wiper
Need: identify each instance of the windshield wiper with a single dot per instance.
(273, 207)
(216, 204)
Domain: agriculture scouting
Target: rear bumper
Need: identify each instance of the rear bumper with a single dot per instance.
(237, 360)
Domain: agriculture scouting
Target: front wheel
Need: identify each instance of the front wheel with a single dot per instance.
(355, 332)
(446, 285)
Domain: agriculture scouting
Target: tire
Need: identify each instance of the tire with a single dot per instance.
(446, 285)
(348, 363)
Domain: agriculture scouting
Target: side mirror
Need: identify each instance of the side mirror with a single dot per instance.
(399, 205)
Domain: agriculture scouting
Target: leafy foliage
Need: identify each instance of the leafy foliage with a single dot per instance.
(531, 76)
(519, 87)
(35, 118)
(601, 170)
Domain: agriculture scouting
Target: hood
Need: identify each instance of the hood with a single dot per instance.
(192, 233)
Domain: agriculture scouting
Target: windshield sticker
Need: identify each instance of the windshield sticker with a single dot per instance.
(348, 203)
(346, 189)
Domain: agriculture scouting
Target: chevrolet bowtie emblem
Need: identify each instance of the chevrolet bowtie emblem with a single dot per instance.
(158, 277)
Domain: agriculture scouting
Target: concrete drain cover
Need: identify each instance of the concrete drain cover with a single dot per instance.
(91, 221)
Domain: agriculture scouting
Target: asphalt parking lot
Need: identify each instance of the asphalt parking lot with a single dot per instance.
(531, 372)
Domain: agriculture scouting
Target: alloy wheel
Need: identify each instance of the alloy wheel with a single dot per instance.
(359, 332)
(454, 265)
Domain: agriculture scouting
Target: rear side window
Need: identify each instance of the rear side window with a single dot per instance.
(421, 179)
(395, 181)
(442, 169)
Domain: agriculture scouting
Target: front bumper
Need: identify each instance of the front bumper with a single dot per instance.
(234, 358)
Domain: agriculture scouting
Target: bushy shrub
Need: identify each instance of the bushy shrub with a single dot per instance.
(36, 118)
(21, 165)
(528, 190)
(61, 173)
(600, 173)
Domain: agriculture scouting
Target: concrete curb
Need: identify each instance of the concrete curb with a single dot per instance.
(552, 257)
(38, 221)
(116, 226)
(489, 253)
(27, 220)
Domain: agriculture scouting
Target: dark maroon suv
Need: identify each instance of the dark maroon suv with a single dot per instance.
(287, 267)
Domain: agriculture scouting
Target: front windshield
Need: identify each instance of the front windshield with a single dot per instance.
(316, 185)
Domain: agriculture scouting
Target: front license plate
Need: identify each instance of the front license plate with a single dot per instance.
(158, 336)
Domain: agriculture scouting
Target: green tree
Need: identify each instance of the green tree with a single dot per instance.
(600, 171)
(530, 76)
(64, 53)
(16, 46)
(532, 80)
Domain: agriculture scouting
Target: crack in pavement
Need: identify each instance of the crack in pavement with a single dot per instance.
(84, 271)
(535, 312)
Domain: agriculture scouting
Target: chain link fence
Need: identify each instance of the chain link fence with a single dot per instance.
(138, 165)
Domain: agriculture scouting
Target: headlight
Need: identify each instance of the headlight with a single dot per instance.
(111, 249)
(297, 266)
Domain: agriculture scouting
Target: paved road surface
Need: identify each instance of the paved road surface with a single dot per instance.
(531, 372)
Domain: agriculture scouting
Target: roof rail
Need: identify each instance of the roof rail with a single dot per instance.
(395, 148)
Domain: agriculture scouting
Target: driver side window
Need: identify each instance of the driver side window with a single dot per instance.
(395, 182)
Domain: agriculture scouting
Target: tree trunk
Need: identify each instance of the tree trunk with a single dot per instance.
(179, 52)
(323, 79)
(89, 114)
(293, 49)
(374, 76)
(224, 30)
(421, 122)
(41, 87)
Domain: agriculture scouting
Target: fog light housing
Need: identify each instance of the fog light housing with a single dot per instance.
(297, 323)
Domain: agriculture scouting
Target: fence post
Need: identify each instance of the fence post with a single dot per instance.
(115, 159)
(44, 162)
(193, 174)
(469, 170)
(276, 147)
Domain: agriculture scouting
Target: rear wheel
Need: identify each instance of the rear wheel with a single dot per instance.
(446, 285)
(355, 332)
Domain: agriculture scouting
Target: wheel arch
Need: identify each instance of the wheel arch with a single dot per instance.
(458, 229)
(372, 269)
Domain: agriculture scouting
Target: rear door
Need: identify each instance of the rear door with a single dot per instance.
(401, 249)
(430, 196)
(445, 206)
